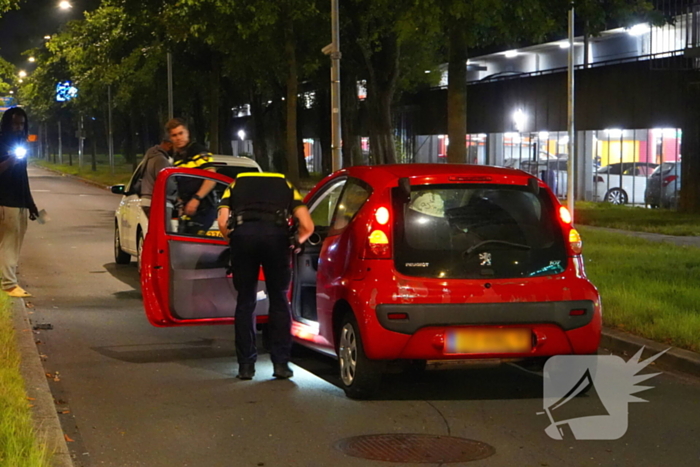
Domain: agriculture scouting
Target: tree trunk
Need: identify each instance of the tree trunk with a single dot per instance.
(350, 105)
(383, 68)
(214, 106)
(457, 96)
(690, 165)
(292, 89)
(301, 159)
(257, 110)
(322, 113)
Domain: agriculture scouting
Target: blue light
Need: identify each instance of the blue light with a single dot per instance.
(65, 91)
(20, 152)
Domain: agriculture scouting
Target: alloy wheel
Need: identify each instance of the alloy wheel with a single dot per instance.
(348, 354)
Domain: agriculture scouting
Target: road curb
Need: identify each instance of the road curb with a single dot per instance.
(675, 359)
(44, 413)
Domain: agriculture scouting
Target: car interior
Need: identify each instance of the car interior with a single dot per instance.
(200, 286)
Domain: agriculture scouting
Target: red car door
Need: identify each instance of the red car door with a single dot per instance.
(185, 261)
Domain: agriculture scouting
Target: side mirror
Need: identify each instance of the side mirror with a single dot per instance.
(533, 185)
(118, 189)
(405, 188)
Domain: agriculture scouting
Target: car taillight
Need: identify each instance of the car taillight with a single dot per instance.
(564, 215)
(669, 179)
(575, 242)
(378, 245)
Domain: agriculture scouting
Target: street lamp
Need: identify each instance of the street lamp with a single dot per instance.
(65, 5)
(31, 59)
(22, 74)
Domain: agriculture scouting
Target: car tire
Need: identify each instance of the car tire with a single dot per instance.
(616, 196)
(139, 251)
(120, 256)
(359, 376)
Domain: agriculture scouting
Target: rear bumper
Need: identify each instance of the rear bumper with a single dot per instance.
(472, 314)
(424, 334)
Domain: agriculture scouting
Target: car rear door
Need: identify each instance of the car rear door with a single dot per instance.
(184, 276)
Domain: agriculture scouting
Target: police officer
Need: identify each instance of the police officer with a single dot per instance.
(254, 214)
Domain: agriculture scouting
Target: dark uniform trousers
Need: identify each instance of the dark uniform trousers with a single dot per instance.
(248, 253)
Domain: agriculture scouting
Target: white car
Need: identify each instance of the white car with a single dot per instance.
(131, 217)
(622, 183)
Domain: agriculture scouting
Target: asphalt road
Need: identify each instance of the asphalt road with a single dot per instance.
(136, 395)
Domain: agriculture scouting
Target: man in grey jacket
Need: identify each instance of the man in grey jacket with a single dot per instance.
(156, 159)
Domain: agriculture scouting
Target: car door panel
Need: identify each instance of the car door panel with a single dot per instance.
(184, 276)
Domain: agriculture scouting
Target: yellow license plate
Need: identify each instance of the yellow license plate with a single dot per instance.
(488, 341)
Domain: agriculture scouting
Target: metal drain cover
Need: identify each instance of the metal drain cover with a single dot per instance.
(415, 448)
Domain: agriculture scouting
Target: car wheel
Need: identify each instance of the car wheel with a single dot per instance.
(616, 196)
(120, 256)
(359, 376)
(139, 251)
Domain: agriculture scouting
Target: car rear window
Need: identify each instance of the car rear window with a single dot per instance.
(462, 231)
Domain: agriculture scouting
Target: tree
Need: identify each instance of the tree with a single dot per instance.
(7, 76)
(392, 56)
(7, 5)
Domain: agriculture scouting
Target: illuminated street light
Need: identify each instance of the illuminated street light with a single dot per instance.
(22, 73)
(639, 29)
(519, 119)
(65, 5)
(511, 53)
(47, 37)
(32, 59)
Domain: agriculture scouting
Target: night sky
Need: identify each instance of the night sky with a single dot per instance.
(25, 28)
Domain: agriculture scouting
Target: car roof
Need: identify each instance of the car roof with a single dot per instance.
(238, 161)
(422, 170)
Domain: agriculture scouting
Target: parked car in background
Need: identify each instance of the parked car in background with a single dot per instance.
(131, 217)
(622, 182)
(663, 186)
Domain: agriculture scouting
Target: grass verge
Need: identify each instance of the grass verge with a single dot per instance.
(103, 175)
(19, 445)
(648, 288)
(662, 221)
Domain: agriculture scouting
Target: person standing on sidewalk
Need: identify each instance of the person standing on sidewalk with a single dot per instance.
(16, 202)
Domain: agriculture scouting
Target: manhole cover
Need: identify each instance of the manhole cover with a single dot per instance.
(414, 448)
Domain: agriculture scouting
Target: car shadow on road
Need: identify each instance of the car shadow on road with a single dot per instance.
(465, 383)
(127, 274)
(166, 352)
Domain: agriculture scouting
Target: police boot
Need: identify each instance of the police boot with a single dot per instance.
(246, 371)
(282, 371)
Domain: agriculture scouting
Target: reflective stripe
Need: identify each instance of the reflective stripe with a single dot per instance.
(296, 195)
(196, 162)
(227, 194)
(259, 174)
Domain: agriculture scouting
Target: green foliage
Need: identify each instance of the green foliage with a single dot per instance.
(18, 441)
(638, 219)
(6, 5)
(8, 75)
(647, 288)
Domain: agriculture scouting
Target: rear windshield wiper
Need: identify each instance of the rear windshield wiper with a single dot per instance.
(500, 242)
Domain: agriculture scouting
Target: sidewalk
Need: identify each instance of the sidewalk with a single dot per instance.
(652, 237)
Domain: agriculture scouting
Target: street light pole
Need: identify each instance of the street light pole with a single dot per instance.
(570, 118)
(336, 135)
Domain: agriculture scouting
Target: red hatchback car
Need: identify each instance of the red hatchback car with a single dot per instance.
(409, 262)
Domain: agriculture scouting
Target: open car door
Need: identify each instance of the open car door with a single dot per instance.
(184, 272)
